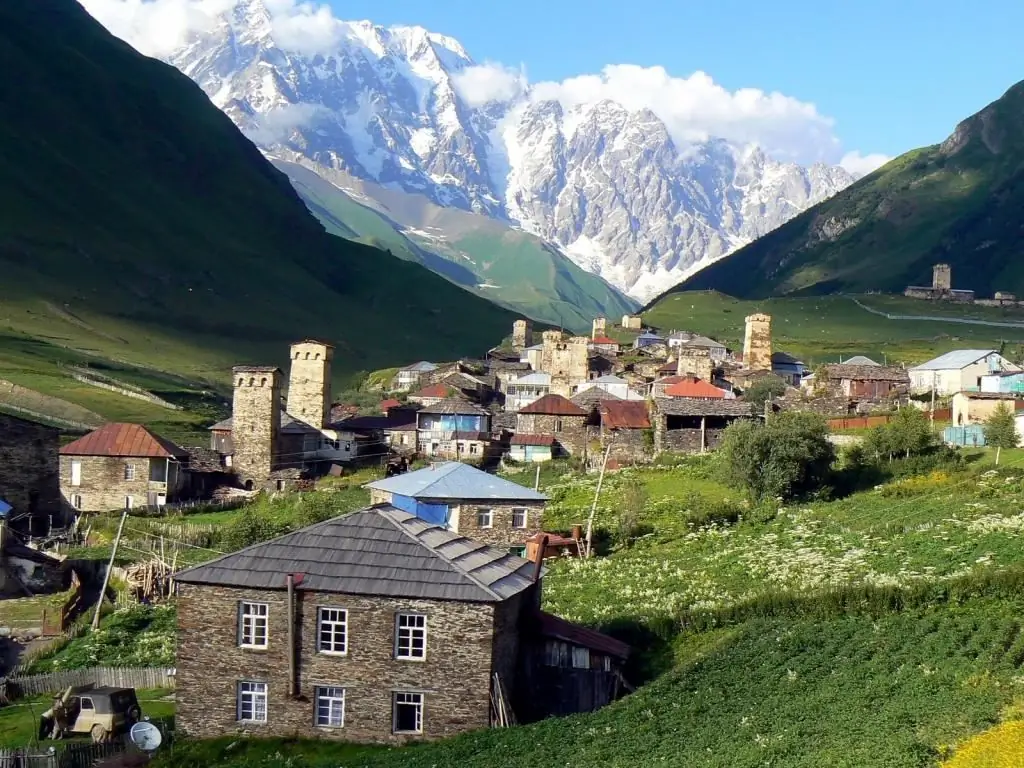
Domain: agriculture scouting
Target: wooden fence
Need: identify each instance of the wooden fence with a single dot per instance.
(76, 755)
(120, 677)
(867, 422)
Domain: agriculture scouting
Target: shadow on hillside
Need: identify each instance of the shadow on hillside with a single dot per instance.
(651, 647)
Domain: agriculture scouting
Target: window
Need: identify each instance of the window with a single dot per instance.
(473, 448)
(558, 425)
(87, 704)
(129, 502)
(517, 551)
(252, 702)
(330, 707)
(411, 637)
(76, 501)
(158, 470)
(129, 471)
(76, 472)
(519, 518)
(252, 625)
(581, 658)
(460, 447)
(333, 632)
(484, 518)
(408, 714)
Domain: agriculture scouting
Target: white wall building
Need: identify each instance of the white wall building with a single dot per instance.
(526, 389)
(613, 385)
(958, 371)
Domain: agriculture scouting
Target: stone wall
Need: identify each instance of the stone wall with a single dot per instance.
(569, 431)
(454, 678)
(565, 360)
(757, 342)
(628, 445)
(103, 486)
(695, 361)
(256, 422)
(309, 383)
(29, 475)
(522, 334)
(501, 534)
(599, 327)
(688, 440)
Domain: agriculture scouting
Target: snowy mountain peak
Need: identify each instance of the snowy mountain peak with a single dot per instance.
(407, 108)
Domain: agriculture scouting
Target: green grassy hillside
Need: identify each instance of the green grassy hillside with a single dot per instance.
(508, 266)
(138, 225)
(957, 202)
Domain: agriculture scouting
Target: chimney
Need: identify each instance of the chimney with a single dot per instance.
(577, 532)
(542, 548)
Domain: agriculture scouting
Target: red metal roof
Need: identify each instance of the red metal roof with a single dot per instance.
(124, 440)
(435, 390)
(532, 440)
(560, 629)
(389, 403)
(624, 414)
(603, 340)
(691, 386)
(554, 405)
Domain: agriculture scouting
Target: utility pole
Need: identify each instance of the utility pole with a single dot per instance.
(536, 479)
(110, 565)
(931, 416)
(597, 493)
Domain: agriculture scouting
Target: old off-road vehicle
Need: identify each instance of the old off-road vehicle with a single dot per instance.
(100, 711)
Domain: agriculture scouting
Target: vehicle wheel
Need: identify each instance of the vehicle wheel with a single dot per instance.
(99, 734)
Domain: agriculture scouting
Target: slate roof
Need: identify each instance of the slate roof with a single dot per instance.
(783, 358)
(859, 360)
(624, 414)
(956, 360)
(588, 398)
(848, 372)
(520, 439)
(454, 480)
(455, 405)
(204, 459)
(683, 406)
(553, 405)
(124, 440)
(380, 551)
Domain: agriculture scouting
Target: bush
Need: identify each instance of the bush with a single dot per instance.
(764, 389)
(908, 433)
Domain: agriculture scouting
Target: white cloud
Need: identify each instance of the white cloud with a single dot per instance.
(861, 165)
(304, 28)
(484, 83)
(156, 27)
(277, 125)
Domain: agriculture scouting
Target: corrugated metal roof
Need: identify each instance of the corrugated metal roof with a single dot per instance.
(694, 387)
(454, 480)
(124, 440)
(560, 629)
(380, 551)
(535, 379)
(423, 366)
(624, 414)
(435, 390)
(859, 360)
(553, 405)
(521, 439)
(955, 360)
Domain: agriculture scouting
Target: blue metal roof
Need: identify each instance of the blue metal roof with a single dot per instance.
(4, 508)
(455, 480)
(955, 360)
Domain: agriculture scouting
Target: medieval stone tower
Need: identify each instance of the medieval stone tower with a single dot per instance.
(309, 382)
(695, 361)
(255, 421)
(942, 277)
(566, 361)
(522, 334)
(757, 342)
(599, 327)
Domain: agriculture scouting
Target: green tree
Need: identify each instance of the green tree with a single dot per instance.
(908, 433)
(1001, 429)
(788, 455)
(764, 389)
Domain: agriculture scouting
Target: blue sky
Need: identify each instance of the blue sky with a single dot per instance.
(893, 74)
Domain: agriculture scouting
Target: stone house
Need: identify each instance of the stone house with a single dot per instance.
(613, 385)
(695, 361)
(432, 394)
(625, 426)
(374, 627)
(649, 339)
(531, 448)
(466, 500)
(695, 388)
(976, 407)
(454, 428)
(691, 425)
(556, 416)
(29, 471)
(603, 344)
(411, 375)
(25, 571)
(678, 340)
(566, 360)
(957, 371)
(865, 382)
(788, 368)
(121, 466)
(632, 322)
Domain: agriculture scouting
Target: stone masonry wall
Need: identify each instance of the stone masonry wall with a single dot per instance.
(309, 383)
(688, 440)
(522, 334)
(757, 342)
(570, 431)
(501, 533)
(454, 678)
(103, 487)
(256, 423)
(29, 474)
(695, 361)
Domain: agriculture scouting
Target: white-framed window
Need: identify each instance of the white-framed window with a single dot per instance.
(76, 472)
(473, 449)
(252, 625)
(519, 517)
(484, 518)
(411, 636)
(408, 713)
(332, 635)
(76, 500)
(129, 471)
(558, 425)
(330, 706)
(252, 702)
(581, 657)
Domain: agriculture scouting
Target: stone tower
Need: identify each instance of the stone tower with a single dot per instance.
(695, 361)
(942, 277)
(309, 382)
(757, 343)
(565, 360)
(255, 422)
(522, 334)
(599, 327)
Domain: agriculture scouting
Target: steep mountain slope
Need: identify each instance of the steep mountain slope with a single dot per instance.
(958, 202)
(130, 205)
(511, 267)
(605, 182)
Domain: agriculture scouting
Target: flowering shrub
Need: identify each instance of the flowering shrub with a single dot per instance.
(1000, 747)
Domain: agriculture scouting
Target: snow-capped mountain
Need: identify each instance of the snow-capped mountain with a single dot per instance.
(606, 183)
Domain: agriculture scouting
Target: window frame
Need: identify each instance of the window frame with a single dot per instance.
(419, 702)
(129, 471)
(526, 517)
(76, 472)
(265, 616)
(411, 630)
(319, 693)
(76, 501)
(255, 694)
(320, 622)
(480, 512)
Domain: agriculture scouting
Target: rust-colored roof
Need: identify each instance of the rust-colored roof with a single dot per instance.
(603, 340)
(624, 414)
(520, 439)
(389, 403)
(124, 440)
(554, 405)
(435, 390)
(694, 387)
(559, 628)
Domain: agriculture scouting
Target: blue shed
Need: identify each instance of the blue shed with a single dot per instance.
(973, 435)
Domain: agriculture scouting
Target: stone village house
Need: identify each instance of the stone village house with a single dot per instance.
(377, 627)
(29, 471)
(558, 417)
(693, 425)
(454, 428)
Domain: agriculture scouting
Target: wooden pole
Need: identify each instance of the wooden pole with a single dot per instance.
(536, 479)
(597, 493)
(110, 566)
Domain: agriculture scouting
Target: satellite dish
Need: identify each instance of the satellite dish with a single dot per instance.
(145, 736)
